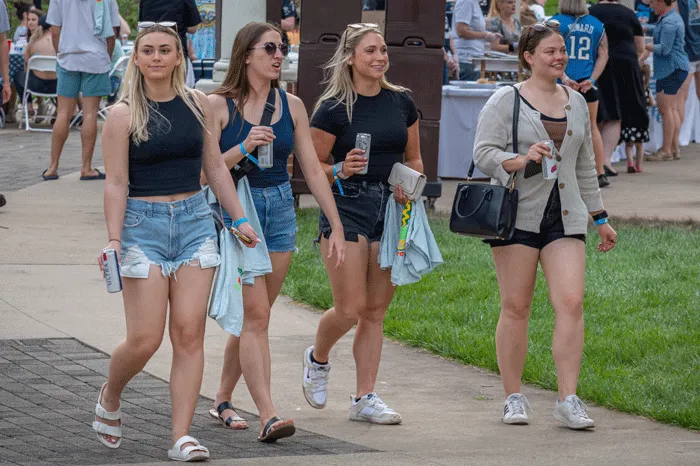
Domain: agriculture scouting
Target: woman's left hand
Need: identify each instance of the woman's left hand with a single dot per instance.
(400, 196)
(649, 47)
(336, 243)
(247, 230)
(608, 237)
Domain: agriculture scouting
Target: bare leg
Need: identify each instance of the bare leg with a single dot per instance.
(610, 133)
(598, 149)
(369, 336)
(679, 106)
(564, 267)
(668, 118)
(145, 305)
(640, 155)
(188, 312)
(516, 270)
(88, 133)
(64, 113)
(348, 283)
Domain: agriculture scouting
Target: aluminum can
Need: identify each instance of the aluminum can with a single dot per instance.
(550, 167)
(110, 263)
(265, 156)
(363, 141)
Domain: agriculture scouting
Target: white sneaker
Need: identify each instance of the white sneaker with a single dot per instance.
(315, 381)
(372, 409)
(514, 409)
(572, 413)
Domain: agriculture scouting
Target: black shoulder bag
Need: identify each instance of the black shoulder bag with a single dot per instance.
(246, 165)
(485, 210)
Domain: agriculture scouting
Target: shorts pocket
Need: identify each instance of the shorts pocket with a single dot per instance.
(202, 211)
(133, 219)
(350, 191)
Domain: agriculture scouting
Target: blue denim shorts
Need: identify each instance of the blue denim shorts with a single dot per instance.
(671, 84)
(275, 208)
(168, 234)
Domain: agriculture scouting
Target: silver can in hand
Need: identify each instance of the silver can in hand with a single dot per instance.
(110, 264)
(550, 167)
(364, 141)
(265, 156)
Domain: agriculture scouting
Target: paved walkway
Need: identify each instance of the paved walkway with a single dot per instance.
(57, 320)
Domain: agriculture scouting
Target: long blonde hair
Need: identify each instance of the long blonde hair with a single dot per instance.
(236, 85)
(338, 71)
(134, 92)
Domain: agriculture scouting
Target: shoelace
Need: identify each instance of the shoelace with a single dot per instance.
(580, 409)
(379, 405)
(318, 379)
(517, 404)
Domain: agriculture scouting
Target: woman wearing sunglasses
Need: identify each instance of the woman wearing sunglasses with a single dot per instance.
(552, 216)
(359, 99)
(155, 142)
(256, 60)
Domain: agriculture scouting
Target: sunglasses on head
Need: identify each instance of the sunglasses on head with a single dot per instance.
(271, 48)
(149, 24)
(542, 25)
(363, 25)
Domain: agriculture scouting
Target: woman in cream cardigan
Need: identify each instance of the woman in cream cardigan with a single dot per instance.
(552, 218)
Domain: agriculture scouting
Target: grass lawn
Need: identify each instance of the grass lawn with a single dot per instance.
(642, 352)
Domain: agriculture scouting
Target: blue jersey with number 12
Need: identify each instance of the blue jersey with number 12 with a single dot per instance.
(582, 36)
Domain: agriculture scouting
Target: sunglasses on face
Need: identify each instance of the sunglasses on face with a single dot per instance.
(149, 24)
(542, 25)
(271, 48)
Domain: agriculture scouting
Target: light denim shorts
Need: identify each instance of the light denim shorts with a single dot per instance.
(168, 234)
(275, 208)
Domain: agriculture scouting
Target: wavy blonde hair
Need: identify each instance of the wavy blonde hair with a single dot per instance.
(134, 92)
(338, 71)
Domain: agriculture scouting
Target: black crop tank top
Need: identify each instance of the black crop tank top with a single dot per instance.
(170, 161)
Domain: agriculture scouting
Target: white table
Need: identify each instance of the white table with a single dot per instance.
(460, 113)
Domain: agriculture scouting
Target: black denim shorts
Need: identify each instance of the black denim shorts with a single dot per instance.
(551, 227)
(361, 208)
(592, 96)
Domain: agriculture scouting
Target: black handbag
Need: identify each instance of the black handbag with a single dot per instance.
(484, 210)
(245, 165)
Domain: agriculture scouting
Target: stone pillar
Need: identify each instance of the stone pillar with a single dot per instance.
(231, 15)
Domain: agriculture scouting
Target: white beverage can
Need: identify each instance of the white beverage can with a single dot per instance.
(265, 156)
(110, 263)
(550, 167)
(363, 141)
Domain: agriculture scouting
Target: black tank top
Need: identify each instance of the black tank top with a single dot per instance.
(171, 160)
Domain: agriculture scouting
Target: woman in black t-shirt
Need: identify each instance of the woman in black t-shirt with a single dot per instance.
(359, 99)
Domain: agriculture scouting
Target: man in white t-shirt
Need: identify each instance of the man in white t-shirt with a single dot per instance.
(83, 33)
(469, 33)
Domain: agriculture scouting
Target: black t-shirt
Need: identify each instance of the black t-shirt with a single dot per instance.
(386, 116)
(621, 25)
(183, 12)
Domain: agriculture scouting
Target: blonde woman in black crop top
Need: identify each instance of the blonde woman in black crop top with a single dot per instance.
(155, 142)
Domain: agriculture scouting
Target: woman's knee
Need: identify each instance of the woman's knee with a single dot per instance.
(570, 303)
(373, 315)
(256, 317)
(188, 338)
(351, 311)
(145, 345)
(516, 309)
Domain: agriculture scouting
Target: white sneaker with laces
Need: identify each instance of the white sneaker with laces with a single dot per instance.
(315, 381)
(573, 413)
(514, 410)
(372, 409)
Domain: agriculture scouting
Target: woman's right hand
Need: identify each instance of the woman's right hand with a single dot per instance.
(112, 245)
(536, 152)
(355, 161)
(248, 230)
(258, 136)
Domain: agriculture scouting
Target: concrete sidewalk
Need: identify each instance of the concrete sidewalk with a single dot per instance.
(50, 286)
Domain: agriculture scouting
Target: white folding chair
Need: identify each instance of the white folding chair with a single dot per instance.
(119, 69)
(36, 63)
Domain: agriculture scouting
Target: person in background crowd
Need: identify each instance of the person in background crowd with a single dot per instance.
(485, 6)
(40, 81)
(373, 5)
(183, 12)
(359, 99)
(552, 217)
(83, 68)
(670, 70)
(4, 65)
(289, 15)
(22, 32)
(527, 16)
(451, 67)
(620, 86)
(156, 141)
(587, 46)
(502, 20)
(469, 33)
(634, 161)
(537, 7)
(33, 22)
(644, 12)
(690, 13)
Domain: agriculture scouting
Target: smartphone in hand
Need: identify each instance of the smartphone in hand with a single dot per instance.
(240, 235)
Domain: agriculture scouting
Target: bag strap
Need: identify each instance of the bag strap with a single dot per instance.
(516, 118)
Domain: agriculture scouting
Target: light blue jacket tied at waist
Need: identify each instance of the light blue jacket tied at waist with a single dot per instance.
(420, 253)
(669, 45)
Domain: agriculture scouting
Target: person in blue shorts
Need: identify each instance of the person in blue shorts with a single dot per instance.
(587, 47)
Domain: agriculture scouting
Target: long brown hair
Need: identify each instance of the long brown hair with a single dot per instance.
(236, 85)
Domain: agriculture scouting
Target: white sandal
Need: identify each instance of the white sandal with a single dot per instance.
(103, 429)
(194, 452)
